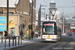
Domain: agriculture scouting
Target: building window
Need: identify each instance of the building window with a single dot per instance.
(1, 12)
(11, 13)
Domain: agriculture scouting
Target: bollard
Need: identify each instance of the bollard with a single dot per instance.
(5, 42)
(18, 41)
(15, 41)
(9, 41)
(1, 39)
(21, 40)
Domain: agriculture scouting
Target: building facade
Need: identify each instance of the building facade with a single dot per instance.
(14, 21)
(24, 8)
(19, 14)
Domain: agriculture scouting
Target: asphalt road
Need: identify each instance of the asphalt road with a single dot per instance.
(66, 43)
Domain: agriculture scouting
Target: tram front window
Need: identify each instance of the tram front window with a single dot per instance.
(48, 28)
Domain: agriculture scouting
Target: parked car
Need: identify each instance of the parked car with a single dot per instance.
(70, 34)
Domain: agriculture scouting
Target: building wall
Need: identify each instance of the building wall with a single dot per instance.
(24, 8)
(4, 10)
(66, 28)
(17, 22)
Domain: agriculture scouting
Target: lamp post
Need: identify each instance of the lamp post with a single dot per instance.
(31, 24)
(7, 14)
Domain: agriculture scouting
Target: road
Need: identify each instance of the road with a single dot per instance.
(66, 43)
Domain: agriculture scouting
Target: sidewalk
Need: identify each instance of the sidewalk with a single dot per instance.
(73, 36)
(24, 42)
(2, 45)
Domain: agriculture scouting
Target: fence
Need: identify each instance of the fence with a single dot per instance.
(12, 41)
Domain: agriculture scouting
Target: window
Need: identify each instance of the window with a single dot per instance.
(11, 13)
(1, 12)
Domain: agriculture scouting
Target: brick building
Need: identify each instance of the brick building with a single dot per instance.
(13, 17)
(24, 8)
(21, 12)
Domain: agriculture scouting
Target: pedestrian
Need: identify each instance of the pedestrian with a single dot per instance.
(5, 33)
(32, 34)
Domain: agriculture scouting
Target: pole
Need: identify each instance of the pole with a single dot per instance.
(29, 34)
(31, 25)
(46, 16)
(39, 19)
(7, 14)
(32, 17)
(23, 30)
(63, 24)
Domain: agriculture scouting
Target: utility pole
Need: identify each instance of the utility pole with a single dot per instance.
(63, 22)
(7, 15)
(46, 16)
(39, 19)
(31, 14)
(32, 17)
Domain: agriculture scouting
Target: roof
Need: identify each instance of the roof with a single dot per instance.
(52, 1)
(6, 7)
(3, 3)
(50, 20)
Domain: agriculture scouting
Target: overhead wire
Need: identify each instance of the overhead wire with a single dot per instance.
(73, 3)
(45, 2)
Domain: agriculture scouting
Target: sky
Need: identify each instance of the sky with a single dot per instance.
(60, 3)
(3, 3)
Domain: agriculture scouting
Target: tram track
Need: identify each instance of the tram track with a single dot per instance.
(60, 45)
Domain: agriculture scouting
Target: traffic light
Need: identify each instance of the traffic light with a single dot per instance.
(30, 26)
(23, 26)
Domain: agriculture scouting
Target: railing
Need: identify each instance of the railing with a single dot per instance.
(12, 40)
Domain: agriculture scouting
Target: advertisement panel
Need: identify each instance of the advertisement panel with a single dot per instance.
(2, 23)
(11, 22)
(72, 26)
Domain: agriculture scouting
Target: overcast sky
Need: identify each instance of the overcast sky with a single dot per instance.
(3, 3)
(47, 2)
(58, 3)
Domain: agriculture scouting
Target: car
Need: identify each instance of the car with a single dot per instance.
(70, 34)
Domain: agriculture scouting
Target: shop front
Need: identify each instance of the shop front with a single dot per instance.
(2, 25)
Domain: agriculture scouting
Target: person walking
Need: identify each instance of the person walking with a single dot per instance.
(32, 34)
(5, 33)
